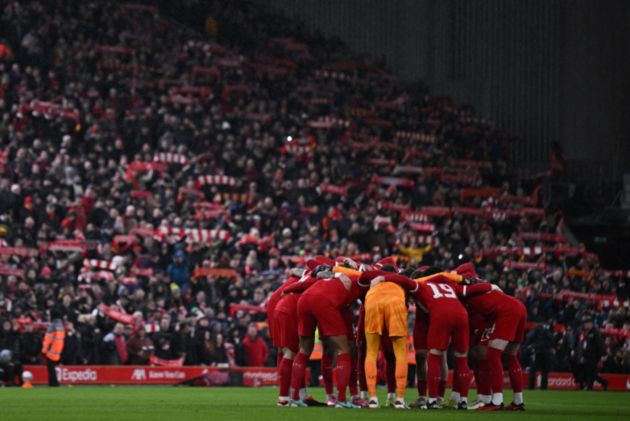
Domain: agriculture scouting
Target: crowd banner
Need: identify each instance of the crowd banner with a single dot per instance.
(9, 271)
(100, 264)
(171, 158)
(541, 236)
(72, 246)
(18, 251)
(115, 314)
(236, 376)
(397, 207)
(394, 181)
(217, 272)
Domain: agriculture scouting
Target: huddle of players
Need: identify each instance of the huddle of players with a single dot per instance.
(451, 306)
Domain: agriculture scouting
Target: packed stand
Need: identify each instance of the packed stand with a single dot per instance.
(153, 177)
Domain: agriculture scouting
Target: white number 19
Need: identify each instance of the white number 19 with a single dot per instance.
(448, 291)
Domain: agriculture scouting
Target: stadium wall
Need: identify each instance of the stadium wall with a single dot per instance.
(238, 376)
(544, 70)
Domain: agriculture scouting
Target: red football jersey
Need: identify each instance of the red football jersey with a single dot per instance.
(489, 304)
(433, 295)
(277, 294)
(440, 292)
(288, 302)
(275, 298)
(342, 290)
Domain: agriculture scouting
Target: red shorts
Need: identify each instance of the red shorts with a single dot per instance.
(361, 328)
(449, 325)
(420, 330)
(480, 330)
(286, 331)
(316, 311)
(348, 318)
(509, 324)
(271, 326)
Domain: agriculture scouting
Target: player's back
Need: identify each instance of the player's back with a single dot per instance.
(491, 302)
(277, 294)
(385, 292)
(288, 303)
(439, 297)
(332, 290)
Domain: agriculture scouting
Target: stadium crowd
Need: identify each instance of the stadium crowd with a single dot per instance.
(153, 178)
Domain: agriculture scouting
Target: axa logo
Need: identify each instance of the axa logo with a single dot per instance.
(139, 374)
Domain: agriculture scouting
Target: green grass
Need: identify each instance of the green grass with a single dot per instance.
(186, 403)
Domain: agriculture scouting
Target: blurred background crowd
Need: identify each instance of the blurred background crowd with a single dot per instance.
(167, 175)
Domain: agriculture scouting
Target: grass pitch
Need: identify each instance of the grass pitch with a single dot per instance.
(157, 403)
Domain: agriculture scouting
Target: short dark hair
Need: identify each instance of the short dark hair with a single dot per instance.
(55, 314)
(388, 268)
(431, 270)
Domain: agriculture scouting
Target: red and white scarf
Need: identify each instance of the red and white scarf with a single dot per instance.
(72, 246)
(328, 122)
(393, 181)
(216, 180)
(418, 240)
(100, 264)
(170, 158)
(18, 251)
(421, 137)
(195, 235)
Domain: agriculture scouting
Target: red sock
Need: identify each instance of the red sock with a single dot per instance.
(297, 374)
(279, 359)
(482, 377)
(516, 373)
(284, 372)
(495, 369)
(462, 376)
(476, 374)
(343, 375)
(327, 373)
(390, 360)
(434, 374)
(353, 377)
(441, 387)
(361, 366)
(422, 387)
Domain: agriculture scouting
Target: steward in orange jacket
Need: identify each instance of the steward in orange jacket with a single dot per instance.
(53, 346)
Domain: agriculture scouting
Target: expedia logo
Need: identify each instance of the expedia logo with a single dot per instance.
(75, 376)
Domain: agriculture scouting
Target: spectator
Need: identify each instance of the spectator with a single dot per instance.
(587, 352)
(255, 348)
(139, 347)
(10, 339)
(218, 352)
(10, 369)
(164, 339)
(29, 345)
(183, 343)
(53, 345)
(115, 346)
(179, 273)
(72, 353)
(540, 344)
